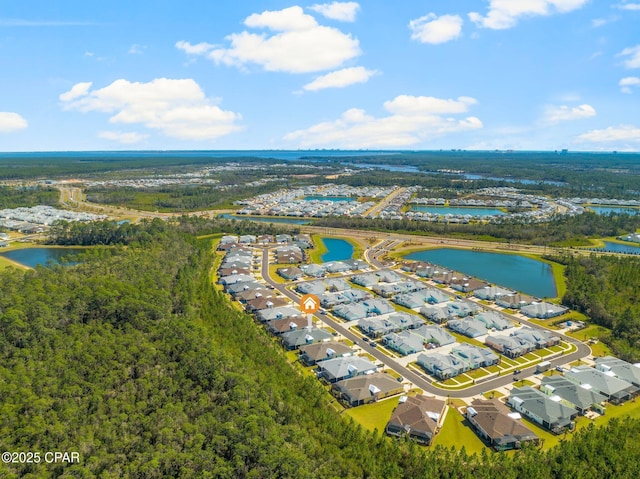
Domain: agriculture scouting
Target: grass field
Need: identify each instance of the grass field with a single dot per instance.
(593, 331)
(374, 416)
(455, 432)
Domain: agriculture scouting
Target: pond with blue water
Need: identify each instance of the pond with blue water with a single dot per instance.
(32, 257)
(266, 219)
(508, 270)
(458, 210)
(337, 250)
(605, 210)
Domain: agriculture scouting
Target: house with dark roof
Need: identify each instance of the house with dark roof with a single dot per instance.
(497, 425)
(280, 326)
(466, 285)
(261, 303)
(579, 396)
(337, 369)
(514, 301)
(622, 369)
(282, 312)
(418, 418)
(542, 409)
(237, 288)
(366, 389)
(232, 271)
(312, 354)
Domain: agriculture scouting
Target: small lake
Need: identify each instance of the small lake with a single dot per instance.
(337, 250)
(329, 198)
(264, 219)
(605, 210)
(508, 270)
(620, 248)
(32, 257)
(457, 210)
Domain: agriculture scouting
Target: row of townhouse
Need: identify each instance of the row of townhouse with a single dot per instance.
(462, 358)
(418, 339)
(522, 341)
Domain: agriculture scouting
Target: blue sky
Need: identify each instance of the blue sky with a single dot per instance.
(472, 74)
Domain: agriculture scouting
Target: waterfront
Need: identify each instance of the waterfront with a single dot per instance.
(511, 271)
(32, 257)
(265, 219)
(458, 210)
(337, 249)
(605, 210)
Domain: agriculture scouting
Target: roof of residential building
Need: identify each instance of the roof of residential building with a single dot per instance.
(418, 415)
(622, 369)
(339, 368)
(578, 395)
(542, 406)
(364, 387)
(326, 350)
(469, 326)
(497, 422)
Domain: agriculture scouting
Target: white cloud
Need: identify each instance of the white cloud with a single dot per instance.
(411, 120)
(433, 29)
(136, 49)
(176, 108)
(299, 44)
(555, 114)
(197, 49)
(628, 82)
(78, 90)
(612, 134)
(504, 14)
(632, 55)
(126, 138)
(340, 78)
(342, 11)
(10, 122)
(629, 6)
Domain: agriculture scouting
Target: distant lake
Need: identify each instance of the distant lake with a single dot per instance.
(337, 250)
(508, 270)
(621, 248)
(605, 210)
(329, 198)
(400, 168)
(264, 219)
(32, 257)
(457, 210)
(470, 176)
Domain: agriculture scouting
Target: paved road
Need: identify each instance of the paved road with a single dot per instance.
(420, 380)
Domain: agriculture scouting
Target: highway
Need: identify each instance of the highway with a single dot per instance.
(421, 380)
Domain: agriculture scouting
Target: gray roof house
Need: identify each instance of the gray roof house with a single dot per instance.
(578, 396)
(337, 267)
(313, 270)
(462, 308)
(470, 327)
(336, 284)
(283, 312)
(541, 409)
(238, 288)
(312, 354)
(417, 417)
(337, 369)
(376, 327)
(291, 273)
(494, 320)
(351, 312)
(442, 366)
(543, 310)
(330, 300)
(495, 423)
(622, 369)
(435, 296)
(365, 279)
(311, 287)
(616, 390)
(510, 346)
(490, 293)
(247, 239)
(235, 278)
(404, 342)
(366, 388)
(475, 356)
(540, 337)
(300, 337)
(438, 313)
(410, 300)
(434, 335)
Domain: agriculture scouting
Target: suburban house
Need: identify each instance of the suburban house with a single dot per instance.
(475, 356)
(578, 396)
(366, 388)
(283, 312)
(235, 278)
(491, 293)
(543, 310)
(497, 425)
(622, 369)
(247, 239)
(291, 273)
(299, 337)
(337, 369)
(261, 303)
(289, 255)
(538, 337)
(311, 287)
(462, 308)
(283, 238)
(280, 326)
(438, 313)
(466, 285)
(434, 335)
(337, 284)
(232, 271)
(514, 301)
(403, 287)
(250, 294)
(265, 239)
(442, 366)
(470, 327)
(414, 266)
(337, 267)
(417, 417)
(330, 300)
(541, 409)
(313, 270)
(494, 320)
(510, 346)
(237, 288)
(351, 312)
(616, 390)
(435, 296)
(404, 342)
(312, 354)
(376, 327)
(366, 279)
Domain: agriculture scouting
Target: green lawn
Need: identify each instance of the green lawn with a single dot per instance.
(374, 416)
(593, 331)
(456, 432)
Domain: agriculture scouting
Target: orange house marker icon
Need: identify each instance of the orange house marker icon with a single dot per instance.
(309, 303)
